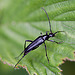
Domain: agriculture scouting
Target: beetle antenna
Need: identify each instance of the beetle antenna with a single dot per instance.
(19, 61)
(48, 19)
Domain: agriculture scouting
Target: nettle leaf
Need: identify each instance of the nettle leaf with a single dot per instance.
(22, 20)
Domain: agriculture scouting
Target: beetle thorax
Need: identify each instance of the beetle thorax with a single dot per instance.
(46, 37)
(51, 35)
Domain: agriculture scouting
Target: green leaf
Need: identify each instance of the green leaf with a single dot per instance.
(24, 20)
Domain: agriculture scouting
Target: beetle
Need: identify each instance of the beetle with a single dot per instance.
(39, 41)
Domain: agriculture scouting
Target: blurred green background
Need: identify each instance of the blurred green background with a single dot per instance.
(68, 69)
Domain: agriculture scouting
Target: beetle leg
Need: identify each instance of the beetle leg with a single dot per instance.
(25, 43)
(19, 55)
(41, 34)
(24, 48)
(46, 52)
(19, 61)
(47, 32)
